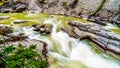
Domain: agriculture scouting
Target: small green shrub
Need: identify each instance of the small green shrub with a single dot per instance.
(23, 57)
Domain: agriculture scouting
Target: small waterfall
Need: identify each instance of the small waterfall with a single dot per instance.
(67, 52)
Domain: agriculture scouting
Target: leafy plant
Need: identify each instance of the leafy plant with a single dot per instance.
(23, 57)
(8, 49)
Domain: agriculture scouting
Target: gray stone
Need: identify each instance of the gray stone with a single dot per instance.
(20, 21)
(4, 17)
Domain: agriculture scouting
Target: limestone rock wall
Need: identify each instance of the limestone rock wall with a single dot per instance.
(74, 7)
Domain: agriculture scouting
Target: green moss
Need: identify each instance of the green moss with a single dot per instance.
(36, 19)
(116, 30)
(64, 19)
(65, 4)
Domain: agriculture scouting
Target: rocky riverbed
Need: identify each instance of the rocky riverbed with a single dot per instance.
(65, 30)
(103, 37)
(43, 30)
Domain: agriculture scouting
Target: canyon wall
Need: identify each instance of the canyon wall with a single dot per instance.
(111, 8)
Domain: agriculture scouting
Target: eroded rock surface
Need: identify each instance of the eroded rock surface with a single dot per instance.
(96, 29)
(15, 36)
(13, 7)
(104, 38)
(44, 28)
(5, 29)
(7, 34)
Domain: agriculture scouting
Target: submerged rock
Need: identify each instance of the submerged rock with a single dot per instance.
(44, 28)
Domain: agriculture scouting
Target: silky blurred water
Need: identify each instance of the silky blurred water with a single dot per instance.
(67, 52)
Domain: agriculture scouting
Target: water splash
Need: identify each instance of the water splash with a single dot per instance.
(67, 52)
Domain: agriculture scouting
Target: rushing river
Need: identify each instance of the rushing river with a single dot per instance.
(64, 51)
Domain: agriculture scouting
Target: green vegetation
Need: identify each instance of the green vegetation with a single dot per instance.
(116, 30)
(37, 18)
(22, 57)
(3, 1)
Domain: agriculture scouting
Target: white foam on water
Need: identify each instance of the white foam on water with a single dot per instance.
(68, 52)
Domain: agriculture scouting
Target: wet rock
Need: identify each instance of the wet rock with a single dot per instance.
(20, 21)
(48, 28)
(114, 48)
(81, 34)
(108, 44)
(37, 27)
(104, 43)
(16, 36)
(13, 7)
(5, 30)
(103, 38)
(90, 28)
(70, 32)
(4, 17)
(44, 28)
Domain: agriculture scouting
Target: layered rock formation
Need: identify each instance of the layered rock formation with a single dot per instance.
(109, 11)
(104, 38)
